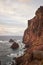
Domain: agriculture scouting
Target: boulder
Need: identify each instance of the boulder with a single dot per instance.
(11, 40)
(15, 45)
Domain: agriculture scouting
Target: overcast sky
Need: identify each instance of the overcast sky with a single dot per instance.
(14, 15)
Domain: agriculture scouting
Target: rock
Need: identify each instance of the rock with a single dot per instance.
(13, 62)
(38, 55)
(35, 62)
(33, 40)
(33, 35)
(11, 40)
(24, 60)
(0, 62)
(15, 45)
(19, 60)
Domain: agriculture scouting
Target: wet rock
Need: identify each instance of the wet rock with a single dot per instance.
(11, 40)
(13, 62)
(0, 62)
(15, 45)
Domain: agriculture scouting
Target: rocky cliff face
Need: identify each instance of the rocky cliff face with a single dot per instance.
(33, 39)
(33, 35)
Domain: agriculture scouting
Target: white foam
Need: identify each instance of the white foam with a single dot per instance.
(12, 55)
(16, 54)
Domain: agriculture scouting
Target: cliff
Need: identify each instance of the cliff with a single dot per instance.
(33, 40)
(33, 35)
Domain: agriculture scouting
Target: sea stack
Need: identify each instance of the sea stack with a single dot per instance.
(15, 45)
(11, 40)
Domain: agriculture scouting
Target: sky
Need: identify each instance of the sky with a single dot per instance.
(14, 15)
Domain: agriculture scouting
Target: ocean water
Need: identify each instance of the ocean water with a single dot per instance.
(6, 53)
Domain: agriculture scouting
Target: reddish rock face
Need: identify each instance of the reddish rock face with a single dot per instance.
(34, 32)
(33, 39)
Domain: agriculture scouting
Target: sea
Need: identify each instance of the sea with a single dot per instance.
(6, 52)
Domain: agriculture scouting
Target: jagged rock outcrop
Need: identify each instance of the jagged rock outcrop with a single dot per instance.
(33, 35)
(33, 40)
(15, 45)
(11, 40)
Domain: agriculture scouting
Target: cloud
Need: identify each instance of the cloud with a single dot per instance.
(15, 13)
(10, 30)
(14, 8)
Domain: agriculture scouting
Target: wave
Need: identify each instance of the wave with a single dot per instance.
(12, 55)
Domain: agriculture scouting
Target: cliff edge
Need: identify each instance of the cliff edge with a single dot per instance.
(33, 40)
(33, 35)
